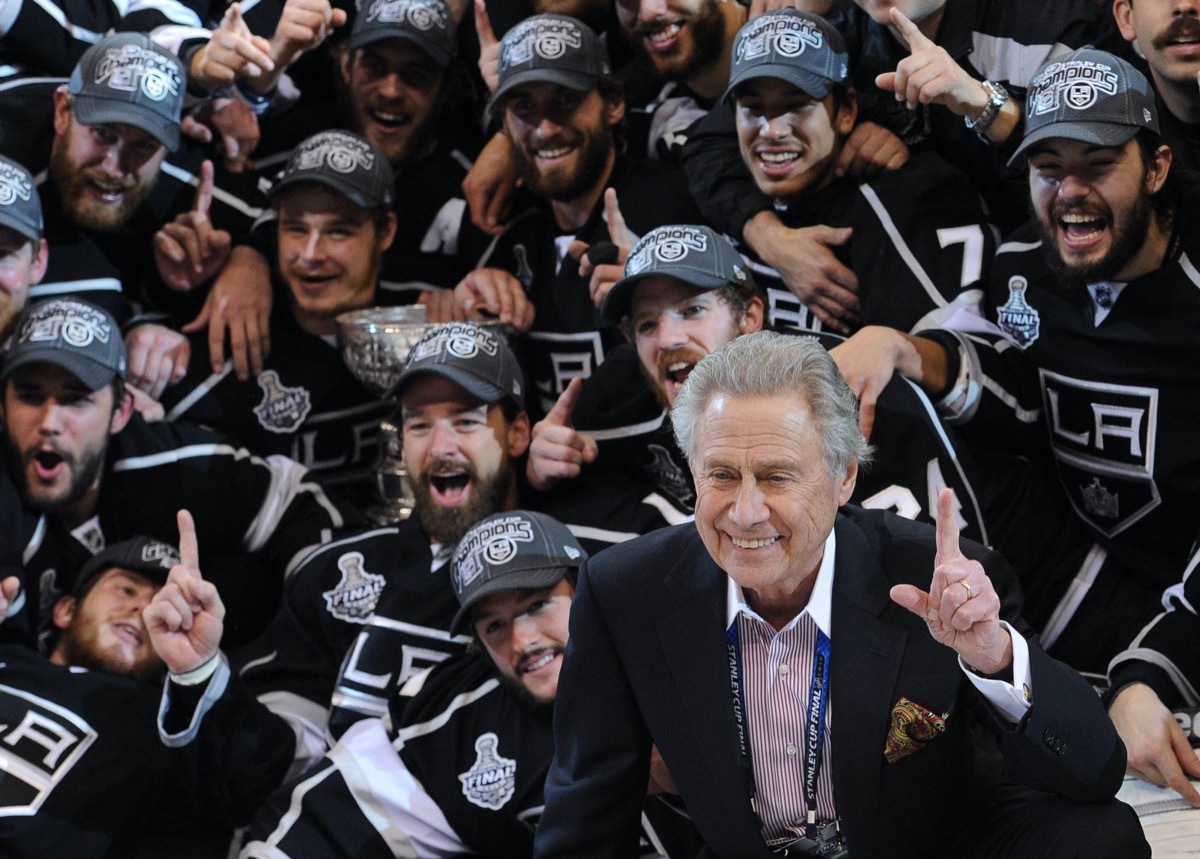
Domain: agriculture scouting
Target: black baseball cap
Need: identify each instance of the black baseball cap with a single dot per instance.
(129, 78)
(475, 359)
(428, 24)
(798, 47)
(696, 255)
(146, 555)
(1088, 95)
(344, 162)
(517, 549)
(20, 205)
(70, 333)
(554, 49)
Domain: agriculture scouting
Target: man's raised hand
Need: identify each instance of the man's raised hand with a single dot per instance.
(559, 450)
(189, 251)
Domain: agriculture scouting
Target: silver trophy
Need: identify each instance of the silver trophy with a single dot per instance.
(375, 344)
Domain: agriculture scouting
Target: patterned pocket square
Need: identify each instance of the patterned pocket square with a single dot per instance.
(912, 727)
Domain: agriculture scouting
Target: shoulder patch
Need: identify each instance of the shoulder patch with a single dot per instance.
(357, 594)
(1017, 317)
(282, 409)
(492, 780)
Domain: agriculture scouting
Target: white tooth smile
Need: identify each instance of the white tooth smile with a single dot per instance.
(778, 157)
(676, 367)
(554, 153)
(541, 662)
(665, 34)
(753, 544)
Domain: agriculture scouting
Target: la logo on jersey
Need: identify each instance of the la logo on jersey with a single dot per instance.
(356, 595)
(1017, 317)
(42, 742)
(492, 779)
(282, 409)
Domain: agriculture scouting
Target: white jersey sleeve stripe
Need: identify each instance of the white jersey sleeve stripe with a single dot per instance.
(889, 227)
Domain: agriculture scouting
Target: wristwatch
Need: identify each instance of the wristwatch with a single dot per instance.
(997, 97)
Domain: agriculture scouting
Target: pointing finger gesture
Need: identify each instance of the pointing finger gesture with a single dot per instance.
(559, 450)
(961, 609)
(489, 47)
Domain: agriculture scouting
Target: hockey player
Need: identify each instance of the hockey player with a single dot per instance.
(379, 600)
(562, 111)
(686, 293)
(95, 472)
(23, 252)
(1099, 296)
(463, 773)
(335, 222)
(921, 241)
(85, 772)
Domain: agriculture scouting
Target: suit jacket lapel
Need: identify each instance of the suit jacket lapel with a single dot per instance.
(865, 664)
(694, 646)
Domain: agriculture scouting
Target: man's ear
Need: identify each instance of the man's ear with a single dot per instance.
(752, 319)
(849, 479)
(518, 435)
(62, 111)
(847, 114)
(1122, 11)
(388, 235)
(345, 65)
(1160, 167)
(614, 110)
(41, 259)
(122, 413)
(64, 611)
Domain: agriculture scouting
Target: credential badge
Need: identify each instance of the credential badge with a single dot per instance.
(492, 780)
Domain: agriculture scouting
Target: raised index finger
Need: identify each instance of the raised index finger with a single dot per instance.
(204, 189)
(947, 528)
(483, 25)
(618, 233)
(189, 548)
(911, 33)
(564, 407)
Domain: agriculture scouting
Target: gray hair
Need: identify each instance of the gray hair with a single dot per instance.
(766, 364)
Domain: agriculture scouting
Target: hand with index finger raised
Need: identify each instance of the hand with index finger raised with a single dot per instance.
(929, 75)
(557, 449)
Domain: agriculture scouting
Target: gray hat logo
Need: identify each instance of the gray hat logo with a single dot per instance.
(458, 340)
(341, 153)
(422, 14)
(1076, 84)
(160, 553)
(548, 39)
(787, 37)
(78, 329)
(495, 544)
(132, 67)
(13, 186)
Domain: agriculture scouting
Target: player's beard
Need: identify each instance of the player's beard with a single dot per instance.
(78, 648)
(707, 40)
(1128, 235)
(446, 525)
(591, 160)
(69, 183)
(523, 694)
(85, 469)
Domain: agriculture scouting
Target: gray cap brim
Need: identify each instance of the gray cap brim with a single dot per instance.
(20, 225)
(813, 85)
(1096, 133)
(469, 382)
(619, 301)
(93, 374)
(535, 577)
(91, 110)
(370, 36)
(315, 178)
(578, 81)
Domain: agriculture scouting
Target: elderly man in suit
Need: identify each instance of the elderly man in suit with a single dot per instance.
(818, 680)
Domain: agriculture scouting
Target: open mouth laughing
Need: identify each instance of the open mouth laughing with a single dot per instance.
(451, 487)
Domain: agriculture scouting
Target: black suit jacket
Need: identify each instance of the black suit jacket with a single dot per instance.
(647, 662)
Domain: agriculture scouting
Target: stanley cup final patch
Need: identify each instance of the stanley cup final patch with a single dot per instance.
(357, 594)
(282, 409)
(1017, 317)
(492, 779)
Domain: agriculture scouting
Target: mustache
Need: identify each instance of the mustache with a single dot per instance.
(534, 655)
(1187, 27)
(679, 353)
(125, 183)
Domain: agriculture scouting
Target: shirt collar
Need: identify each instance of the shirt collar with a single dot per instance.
(819, 606)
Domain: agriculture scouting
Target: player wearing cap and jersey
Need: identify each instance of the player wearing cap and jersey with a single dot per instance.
(463, 772)
(335, 221)
(94, 471)
(1098, 299)
(686, 292)
(561, 111)
(379, 600)
(85, 773)
(921, 241)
